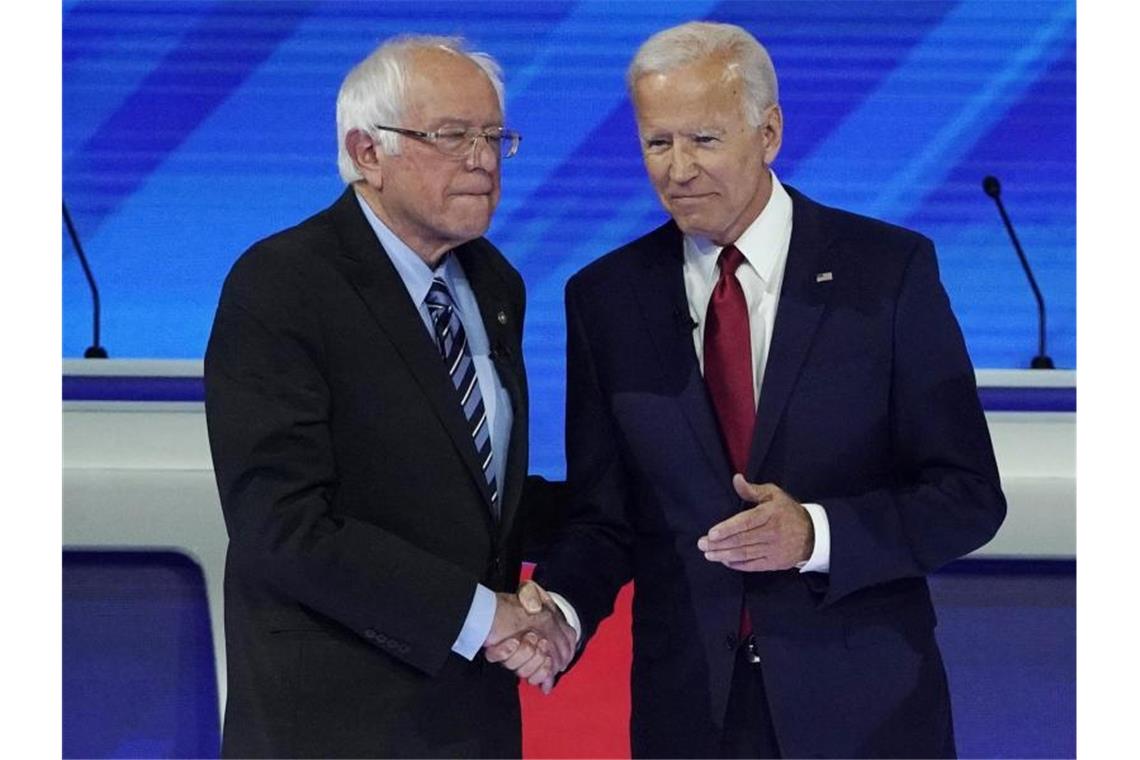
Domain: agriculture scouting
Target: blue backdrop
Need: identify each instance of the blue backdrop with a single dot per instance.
(191, 129)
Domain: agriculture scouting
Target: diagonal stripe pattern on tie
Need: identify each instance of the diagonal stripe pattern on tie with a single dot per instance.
(452, 341)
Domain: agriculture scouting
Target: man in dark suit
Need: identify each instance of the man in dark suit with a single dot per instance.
(367, 410)
(773, 429)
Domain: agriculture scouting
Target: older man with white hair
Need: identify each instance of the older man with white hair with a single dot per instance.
(367, 411)
(773, 429)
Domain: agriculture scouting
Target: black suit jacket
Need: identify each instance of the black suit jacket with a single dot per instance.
(868, 407)
(359, 519)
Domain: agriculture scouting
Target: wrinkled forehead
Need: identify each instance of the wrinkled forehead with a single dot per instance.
(443, 83)
(703, 94)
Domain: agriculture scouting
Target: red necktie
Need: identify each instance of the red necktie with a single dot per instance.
(728, 370)
(728, 360)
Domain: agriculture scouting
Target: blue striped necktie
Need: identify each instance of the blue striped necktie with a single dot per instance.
(452, 342)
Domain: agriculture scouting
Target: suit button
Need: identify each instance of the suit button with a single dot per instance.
(730, 642)
(370, 634)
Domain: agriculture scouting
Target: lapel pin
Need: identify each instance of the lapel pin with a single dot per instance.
(824, 277)
(502, 317)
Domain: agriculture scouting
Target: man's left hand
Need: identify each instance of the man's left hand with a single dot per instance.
(776, 534)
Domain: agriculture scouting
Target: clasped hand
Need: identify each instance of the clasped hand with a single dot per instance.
(530, 637)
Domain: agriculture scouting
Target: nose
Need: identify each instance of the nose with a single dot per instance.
(483, 155)
(682, 166)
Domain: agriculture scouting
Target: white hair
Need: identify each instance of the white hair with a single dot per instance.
(698, 40)
(375, 91)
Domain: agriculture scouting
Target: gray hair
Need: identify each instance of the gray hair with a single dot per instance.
(696, 40)
(375, 91)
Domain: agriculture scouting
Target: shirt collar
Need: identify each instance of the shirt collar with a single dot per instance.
(763, 243)
(413, 270)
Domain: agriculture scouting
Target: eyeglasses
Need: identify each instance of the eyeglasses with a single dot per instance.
(458, 141)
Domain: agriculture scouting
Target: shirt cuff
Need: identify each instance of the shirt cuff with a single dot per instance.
(478, 623)
(570, 615)
(820, 559)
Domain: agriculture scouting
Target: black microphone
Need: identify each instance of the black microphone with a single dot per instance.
(992, 188)
(94, 351)
(501, 351)
(685, 320)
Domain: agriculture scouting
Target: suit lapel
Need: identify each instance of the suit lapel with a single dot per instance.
(375, 278)
(802, 303)
(660, 289)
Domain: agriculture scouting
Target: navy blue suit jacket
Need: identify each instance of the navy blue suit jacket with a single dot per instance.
(868, 407)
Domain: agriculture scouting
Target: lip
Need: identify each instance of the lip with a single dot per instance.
(690, 197)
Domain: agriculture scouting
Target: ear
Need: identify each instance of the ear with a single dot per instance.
(773, 132)
(366, 154)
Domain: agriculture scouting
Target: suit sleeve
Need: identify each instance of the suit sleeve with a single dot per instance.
(268, 406)
(946, 498)
(592, 557)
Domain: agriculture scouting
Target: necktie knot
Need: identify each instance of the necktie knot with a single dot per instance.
(438, 294)
(730, 260)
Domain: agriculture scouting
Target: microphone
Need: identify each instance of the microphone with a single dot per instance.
(501, 351)
(685, 320)
(94, 351)
(992, 188)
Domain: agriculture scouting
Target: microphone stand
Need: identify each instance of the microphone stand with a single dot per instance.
(992, 188)
(94, 351)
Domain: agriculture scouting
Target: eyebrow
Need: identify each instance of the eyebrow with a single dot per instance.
(690, 133)
(458, 127)
(456, 121)
(700, 130)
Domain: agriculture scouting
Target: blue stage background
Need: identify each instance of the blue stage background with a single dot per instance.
(191, 129)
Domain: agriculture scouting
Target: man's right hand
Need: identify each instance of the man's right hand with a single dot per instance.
(529, 636)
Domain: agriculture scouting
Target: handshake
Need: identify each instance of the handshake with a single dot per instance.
(530, 636)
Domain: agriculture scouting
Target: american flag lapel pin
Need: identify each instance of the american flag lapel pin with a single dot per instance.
(824, 277)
